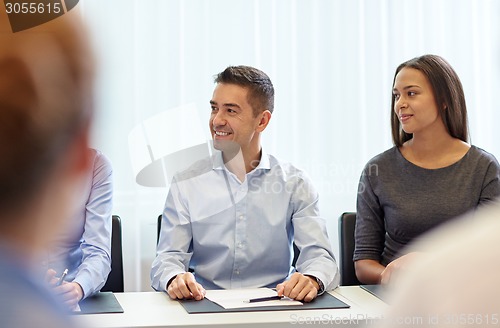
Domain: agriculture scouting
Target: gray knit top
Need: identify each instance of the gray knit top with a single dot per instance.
(398, 200)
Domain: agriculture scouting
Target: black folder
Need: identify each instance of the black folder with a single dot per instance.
(103, 302)
(376, 290)
(325, 301)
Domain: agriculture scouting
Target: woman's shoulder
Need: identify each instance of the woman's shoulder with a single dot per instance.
(387, 156)
(385, 163)
(479, 154)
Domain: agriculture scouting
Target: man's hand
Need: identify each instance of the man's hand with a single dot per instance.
(299, 287)
(69, 292)
(50, 277)
(184, 286)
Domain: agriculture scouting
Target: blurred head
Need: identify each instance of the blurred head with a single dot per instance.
(448, 95)
(45, 108)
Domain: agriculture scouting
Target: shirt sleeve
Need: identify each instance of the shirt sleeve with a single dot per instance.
(96, 240)
(491, 183)
(311, 237)
(174, 248)
(369, 233)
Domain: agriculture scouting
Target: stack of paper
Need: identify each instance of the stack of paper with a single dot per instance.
(239, 298)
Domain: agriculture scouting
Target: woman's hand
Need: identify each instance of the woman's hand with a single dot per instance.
(400, 264)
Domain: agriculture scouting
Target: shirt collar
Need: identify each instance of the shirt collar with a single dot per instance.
(264, 164)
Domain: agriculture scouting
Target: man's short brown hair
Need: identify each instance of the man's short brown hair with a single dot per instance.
(261, 90)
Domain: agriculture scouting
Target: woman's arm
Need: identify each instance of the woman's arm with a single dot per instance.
(369, 232)
(369, 271)
(372, 272)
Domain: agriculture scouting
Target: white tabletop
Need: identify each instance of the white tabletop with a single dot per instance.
(155, 309)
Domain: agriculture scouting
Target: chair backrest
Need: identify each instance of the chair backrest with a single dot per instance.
(347, 223)
(115, 278)
(158, 229)
(296, 253)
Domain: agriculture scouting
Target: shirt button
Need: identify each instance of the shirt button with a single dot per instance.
(240, 245)
(241, 217)
(237, 271)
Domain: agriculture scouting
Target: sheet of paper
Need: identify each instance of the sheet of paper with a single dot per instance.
(238, 298)
(77, 308)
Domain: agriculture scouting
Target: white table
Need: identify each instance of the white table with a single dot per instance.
(154, 309)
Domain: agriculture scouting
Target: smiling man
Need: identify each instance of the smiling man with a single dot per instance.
(230, 220)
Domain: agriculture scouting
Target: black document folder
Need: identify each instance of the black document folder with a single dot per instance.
(376, 290)
(104, 302)
(325, 301)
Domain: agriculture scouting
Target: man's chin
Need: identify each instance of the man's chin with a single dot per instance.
(228, 147)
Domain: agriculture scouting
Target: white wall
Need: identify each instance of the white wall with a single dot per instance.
(332, 64)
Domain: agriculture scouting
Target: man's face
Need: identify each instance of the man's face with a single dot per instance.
(232, 122)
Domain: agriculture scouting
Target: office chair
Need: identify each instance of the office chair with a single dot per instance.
(158, 229)
(115, 278)
(347, 223)
(296, 253)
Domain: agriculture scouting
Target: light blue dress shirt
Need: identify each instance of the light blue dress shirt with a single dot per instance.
(85, 247)
(239, 234)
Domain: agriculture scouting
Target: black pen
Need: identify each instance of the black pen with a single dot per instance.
(264, 299)
(59, 283)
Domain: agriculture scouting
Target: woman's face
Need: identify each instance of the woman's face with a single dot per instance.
(414, 102)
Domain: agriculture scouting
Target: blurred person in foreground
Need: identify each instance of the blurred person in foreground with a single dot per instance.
(45, 114)
(456, 283)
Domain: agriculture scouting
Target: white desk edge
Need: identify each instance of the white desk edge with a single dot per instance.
(156, 309)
